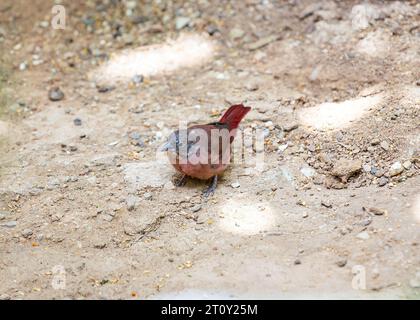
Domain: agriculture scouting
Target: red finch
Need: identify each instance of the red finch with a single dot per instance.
(204, 151)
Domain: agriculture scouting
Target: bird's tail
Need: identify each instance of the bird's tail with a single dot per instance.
(233, 116)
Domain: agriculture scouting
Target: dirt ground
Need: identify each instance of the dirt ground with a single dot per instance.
(88, 212)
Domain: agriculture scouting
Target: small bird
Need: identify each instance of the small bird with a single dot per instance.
(204, 151)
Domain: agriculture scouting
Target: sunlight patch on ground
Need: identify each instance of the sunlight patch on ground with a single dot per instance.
(246, 218)
(334, 115)
(186, 51)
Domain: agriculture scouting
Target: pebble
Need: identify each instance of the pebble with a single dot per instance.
(4, 297)
(407, 165)
(341, 263)
(55, 94)
(290, 127)
(377, 211)
(77, 122)
(235, 185)
(196, 208)
(345, 167)
(10, 224)
(363, 235)
(252, 86)
(100, 244)
(147, 196)
(131, 202)
(236, 33)
(282, 147)
(311, 147)
(382, 181)
(396, 169)
(375, 142)
(137, 79)
(308, 172)
(385, 145)
(212, 29)
(367, 168)
(182, 22)
(4, 214)
(169, 185)
(297, 261)
(26, 233)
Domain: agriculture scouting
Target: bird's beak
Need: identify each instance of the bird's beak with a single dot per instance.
(165, 147)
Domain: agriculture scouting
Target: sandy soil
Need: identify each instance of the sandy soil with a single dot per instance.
(87, 210)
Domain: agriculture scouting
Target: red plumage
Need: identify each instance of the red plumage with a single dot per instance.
(234, 115)
(181, 157)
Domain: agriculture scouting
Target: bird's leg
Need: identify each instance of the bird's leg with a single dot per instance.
(210, 190)
(181, 181)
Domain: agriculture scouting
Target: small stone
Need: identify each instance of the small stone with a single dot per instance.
(10, 224)
(308, 172)
(407, 165)
(363, 235)
(396, 169)
(196, 208)
(305, 215)
(135, 135)
(377, 211)
(104, 88)
(367, 168)
(375, 142)
(382, 181)
(311, 147)
(297, 261)
(4, 214)
(235, 185)
(385, 145)
(252, 86)
(128, 39)
(77, 122)
(23, 66)
(236, 33)
(290, 127)
(212, 29)
(99, 245)
(55, 94)
(341, 263)
(108, 216)
(344, 168)
(4, 297)
(137, 79)
(147, 196)
(182, 22)
(282, 147)
(26, 233)
(169, 185)
(131, 202)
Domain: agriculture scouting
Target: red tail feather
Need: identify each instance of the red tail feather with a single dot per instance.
(233, 116)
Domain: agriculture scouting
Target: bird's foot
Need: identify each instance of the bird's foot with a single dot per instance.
(181, 181)
(210, 190)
